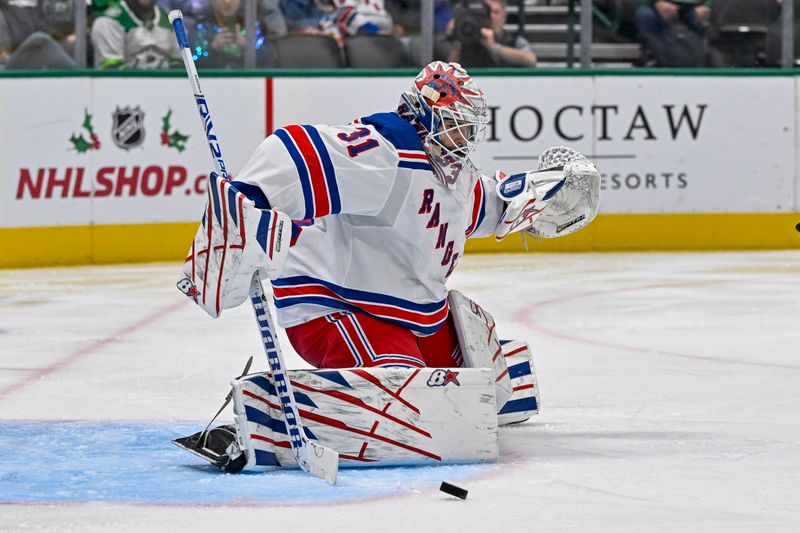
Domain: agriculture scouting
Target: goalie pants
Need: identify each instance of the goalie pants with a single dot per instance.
(345, 340)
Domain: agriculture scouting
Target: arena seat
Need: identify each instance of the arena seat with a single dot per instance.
(740, 29)
(376, 51)
(305, 51)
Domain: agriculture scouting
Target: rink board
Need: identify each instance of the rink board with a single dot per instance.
(112, 169)
(80, 245)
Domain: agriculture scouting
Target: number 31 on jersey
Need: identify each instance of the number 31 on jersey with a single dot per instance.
(358, 147)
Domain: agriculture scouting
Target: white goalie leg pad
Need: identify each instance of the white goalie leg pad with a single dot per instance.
(524, 401)
(372, 416)
(234, 241)
(480, 346)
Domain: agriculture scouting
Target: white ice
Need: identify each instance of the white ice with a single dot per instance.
(670, 397)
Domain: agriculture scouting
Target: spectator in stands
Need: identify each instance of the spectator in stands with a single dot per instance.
(302, 16)
(406, 15)
(134, 34)
(674, 31)
(36, 34)
(219, 39)
(272, 19)
(490, 45)
(355, 17)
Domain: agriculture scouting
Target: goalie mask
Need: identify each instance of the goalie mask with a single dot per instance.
(448, 110)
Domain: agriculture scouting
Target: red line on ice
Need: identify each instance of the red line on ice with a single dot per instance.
(525, 317)
(81, 353)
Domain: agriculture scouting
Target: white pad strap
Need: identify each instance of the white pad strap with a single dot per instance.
(235, 240)
(480, 347)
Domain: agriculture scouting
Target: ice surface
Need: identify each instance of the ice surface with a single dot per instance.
(670, 402)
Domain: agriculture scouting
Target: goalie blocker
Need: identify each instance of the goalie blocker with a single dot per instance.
(235, 241)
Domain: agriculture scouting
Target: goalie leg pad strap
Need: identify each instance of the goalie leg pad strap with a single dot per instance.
(480, 346)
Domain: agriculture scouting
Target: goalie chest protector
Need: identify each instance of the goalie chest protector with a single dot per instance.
(397, 233)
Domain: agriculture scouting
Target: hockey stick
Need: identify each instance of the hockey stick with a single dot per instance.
(313, 458)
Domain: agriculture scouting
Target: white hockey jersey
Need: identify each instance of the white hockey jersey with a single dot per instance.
(380, 233)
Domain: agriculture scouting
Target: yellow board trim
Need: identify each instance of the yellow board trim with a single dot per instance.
(131, 243)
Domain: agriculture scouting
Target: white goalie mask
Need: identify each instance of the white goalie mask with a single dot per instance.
(449, 112)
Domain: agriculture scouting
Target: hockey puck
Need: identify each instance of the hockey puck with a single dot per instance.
(797, 227)
(452, 490)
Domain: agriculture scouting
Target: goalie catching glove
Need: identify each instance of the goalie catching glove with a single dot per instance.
(559, 198)
(234, 242)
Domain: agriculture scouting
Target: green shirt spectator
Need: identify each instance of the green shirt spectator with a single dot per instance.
(134, 34)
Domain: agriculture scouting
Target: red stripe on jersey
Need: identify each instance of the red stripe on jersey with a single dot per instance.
(413, 155)
(319, 187)
(477, 194)
(372, 308)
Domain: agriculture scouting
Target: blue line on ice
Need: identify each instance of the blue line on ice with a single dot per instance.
(70, 462)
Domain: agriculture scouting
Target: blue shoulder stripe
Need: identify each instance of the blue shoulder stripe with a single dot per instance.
(360, 295)
(328, 169)
(305, 180)
(395, 129)
(416, 165)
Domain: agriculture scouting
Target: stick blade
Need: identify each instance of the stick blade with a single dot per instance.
(320, 461)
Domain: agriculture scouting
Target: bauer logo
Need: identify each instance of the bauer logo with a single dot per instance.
(440, 378)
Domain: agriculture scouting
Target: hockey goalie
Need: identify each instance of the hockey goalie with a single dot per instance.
(358, 228)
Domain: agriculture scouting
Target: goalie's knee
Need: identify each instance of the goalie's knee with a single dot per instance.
(480, 346)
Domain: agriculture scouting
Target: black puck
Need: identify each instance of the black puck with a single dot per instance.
(797, 227)
(458, 492)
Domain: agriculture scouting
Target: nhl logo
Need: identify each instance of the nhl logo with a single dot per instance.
(127, 130)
